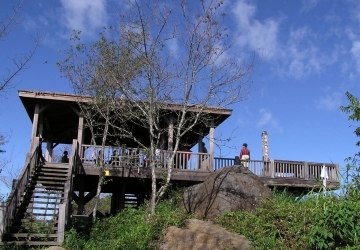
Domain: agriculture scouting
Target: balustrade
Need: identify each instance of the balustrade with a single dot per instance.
(137, 157)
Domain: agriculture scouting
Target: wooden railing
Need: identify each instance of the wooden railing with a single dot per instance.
(137, 157)
(65, 208)
(8, 208)
(123, 156)
(285, 169)
(223, 162)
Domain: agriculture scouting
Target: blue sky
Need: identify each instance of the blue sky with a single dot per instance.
(310, 52)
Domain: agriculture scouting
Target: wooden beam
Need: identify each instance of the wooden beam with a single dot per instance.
(43, 108)
(80, 135)
(34, 126)
(171, 133)
(89, 196)
(211, 145)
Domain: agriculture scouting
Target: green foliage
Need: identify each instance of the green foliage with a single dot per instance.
(338, 226)
(322, 222)
(129, 229)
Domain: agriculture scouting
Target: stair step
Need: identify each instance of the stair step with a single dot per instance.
(50, 227)
(41, 197)
(50, 174)
(48, 182)
(59, 178)
(53, 188)
(42, 202)
(47, 192)
(30, 235)
(32, 220)
(31, 243)
(44, 169)
(37, 214)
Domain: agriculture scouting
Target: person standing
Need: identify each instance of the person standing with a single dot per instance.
(65, 158)
(245, 155)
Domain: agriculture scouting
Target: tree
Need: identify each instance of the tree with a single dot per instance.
(353, 110)
(7, 26)
(183, 63)
(91, 71)
(18, 63)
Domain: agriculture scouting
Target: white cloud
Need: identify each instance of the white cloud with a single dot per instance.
(84, 15)
(330, 101)
(253, 33)
(297, 56)
(309, 4)
(355, 53)
(267, 120)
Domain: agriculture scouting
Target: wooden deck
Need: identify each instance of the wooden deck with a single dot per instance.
(192, 168)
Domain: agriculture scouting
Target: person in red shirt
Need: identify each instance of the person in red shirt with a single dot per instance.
(245, 155)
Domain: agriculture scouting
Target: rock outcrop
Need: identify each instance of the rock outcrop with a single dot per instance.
(228, 189)
(202, 235)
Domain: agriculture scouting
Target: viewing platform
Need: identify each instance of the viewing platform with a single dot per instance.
(193, 167)
(48, 194)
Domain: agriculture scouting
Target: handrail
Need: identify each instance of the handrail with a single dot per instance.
(65, 208)
(137, 157)
(19, 188)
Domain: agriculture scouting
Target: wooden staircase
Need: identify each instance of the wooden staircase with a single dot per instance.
(35, 221)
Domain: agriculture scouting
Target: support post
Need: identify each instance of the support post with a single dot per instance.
(272, 168)
(211, 145)
(34, 126)
(80, 202)
(61, 223)
(80, 135)
(171, 133)
(49, 148)
(3, 206)
(306, 170)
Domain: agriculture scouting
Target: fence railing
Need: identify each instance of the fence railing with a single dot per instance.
(123, 156)
(137, 157)
(14, 199)
(65, 208)
(284, 169)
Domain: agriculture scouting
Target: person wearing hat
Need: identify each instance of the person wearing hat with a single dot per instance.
(245, 155)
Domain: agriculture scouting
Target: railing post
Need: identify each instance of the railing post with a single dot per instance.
(335, 173)
(272, 168)
(3, 206)
(237, 160)
(61, 223)
(306, 170)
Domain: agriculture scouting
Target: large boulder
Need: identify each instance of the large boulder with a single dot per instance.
(231, 188)
(202, 235)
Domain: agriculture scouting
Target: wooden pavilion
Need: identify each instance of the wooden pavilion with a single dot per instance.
(44, 193)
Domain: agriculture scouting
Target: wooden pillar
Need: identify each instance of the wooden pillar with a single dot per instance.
(80, 202)
(171, 133)
(200, 149)
(3, 208)
(34, 126)
(80, 135)
(211, 145)
(49, 148)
